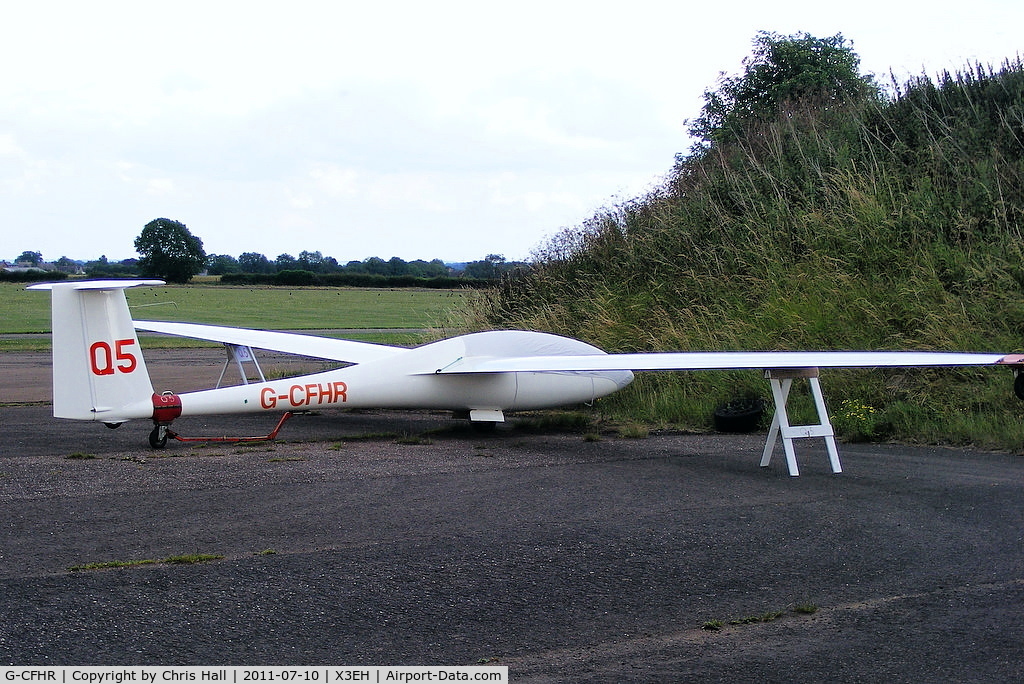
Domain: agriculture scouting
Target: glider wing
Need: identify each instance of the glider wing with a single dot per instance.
(721, 361)
(289, 343)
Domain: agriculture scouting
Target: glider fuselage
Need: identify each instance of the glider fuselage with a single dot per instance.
(399, 382)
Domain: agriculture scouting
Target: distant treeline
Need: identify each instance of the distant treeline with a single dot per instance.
(30, 276)
(366, 273)
(311, 268)
(292, 278)
(301, 277)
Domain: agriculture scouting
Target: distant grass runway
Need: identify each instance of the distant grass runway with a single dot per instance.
(276, 308)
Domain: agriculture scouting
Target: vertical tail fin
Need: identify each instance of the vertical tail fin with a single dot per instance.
(98, 369)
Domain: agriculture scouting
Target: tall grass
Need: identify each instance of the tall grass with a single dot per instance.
(876, 225)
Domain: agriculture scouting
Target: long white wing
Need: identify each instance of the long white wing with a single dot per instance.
(723, 361)
(289, 343)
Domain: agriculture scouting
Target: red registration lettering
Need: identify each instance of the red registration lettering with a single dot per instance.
(102, 357)
(304, 395)
(268, 398)
(126, 360)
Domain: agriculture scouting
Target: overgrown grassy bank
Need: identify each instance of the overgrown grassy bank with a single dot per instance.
(872, 224)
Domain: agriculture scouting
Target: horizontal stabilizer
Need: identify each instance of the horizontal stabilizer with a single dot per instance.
(347, 351)
(96, 284)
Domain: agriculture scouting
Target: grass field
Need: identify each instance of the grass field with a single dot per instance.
(23, 311)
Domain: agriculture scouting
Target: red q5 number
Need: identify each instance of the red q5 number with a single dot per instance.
(107, 361)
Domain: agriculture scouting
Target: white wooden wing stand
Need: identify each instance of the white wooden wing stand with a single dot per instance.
(240, 354)
(781, 380)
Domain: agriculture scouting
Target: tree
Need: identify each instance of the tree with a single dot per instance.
(103, 268)
(424, 269)
(31, 258)
(488, 269)
(219, 264)
(254, 262)
(397, 266)
(168, 250)
(310, 261)
(65, 265)
(782, 70)
(376, 266)
(285, 262)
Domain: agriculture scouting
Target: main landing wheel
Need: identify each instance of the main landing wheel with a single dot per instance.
(1018, 385)
(158, 437)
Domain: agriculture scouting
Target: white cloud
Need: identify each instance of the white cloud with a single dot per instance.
(334, 180)
(134, 175)
(9, 146)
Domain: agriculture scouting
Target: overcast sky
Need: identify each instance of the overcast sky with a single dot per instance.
(421, 130)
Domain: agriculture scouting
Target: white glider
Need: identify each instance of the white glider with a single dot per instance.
(99, 373)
